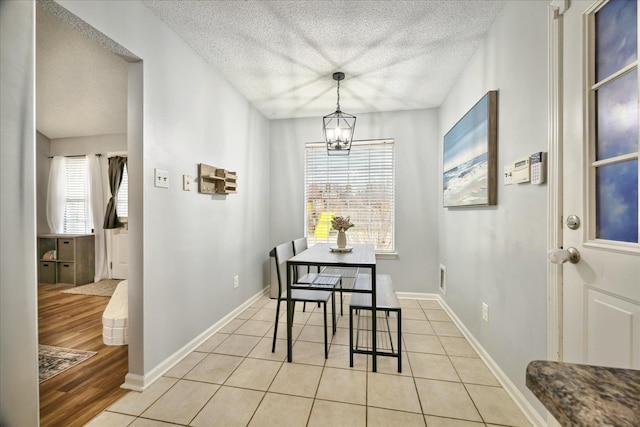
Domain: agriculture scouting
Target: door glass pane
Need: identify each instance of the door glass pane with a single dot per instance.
(617, 202)
(617, 117)
(616, 37)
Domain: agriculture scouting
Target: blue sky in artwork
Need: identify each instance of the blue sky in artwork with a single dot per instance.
(468, 138)
(617, 201)
(617, 121)
(616, 42)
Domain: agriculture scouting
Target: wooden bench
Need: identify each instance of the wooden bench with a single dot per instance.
(386, 302)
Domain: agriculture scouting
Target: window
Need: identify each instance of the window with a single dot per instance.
(77, 213)
(360, 185)
(614, 122)
(123, 196)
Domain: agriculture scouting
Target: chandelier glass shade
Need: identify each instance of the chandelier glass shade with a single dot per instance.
(338, 127)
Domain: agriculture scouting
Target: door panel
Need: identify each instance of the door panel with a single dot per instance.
(601, 294)
(120, 253)
(607, 313)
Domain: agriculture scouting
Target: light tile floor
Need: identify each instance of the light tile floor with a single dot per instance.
(233, 379)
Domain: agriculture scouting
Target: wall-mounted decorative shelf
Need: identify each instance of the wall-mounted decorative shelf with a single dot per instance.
(213, 180)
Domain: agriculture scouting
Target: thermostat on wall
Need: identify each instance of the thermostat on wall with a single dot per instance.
(520, 170)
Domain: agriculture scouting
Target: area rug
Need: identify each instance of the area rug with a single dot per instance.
(103, 288)
(54, 360)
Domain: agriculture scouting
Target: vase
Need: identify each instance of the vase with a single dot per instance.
(342, 239)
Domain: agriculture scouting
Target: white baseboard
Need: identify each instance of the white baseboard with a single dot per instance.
(523, 404)
(417, 295)
(142, 382)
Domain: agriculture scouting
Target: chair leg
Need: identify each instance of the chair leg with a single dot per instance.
(275, 328)
(326, 346)
(304, 306)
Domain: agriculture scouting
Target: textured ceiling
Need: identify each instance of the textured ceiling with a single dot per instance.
(396, 55)
(81, 87)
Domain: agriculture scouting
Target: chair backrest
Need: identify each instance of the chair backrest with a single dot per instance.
(283, 252)
(300, 245)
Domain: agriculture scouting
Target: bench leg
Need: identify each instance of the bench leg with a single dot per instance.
(400, 341)
(333, 312)
(341, 313)
(351, 337)
(326, 347)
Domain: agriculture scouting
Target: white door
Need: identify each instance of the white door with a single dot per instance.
(601, 293)
(119, 253)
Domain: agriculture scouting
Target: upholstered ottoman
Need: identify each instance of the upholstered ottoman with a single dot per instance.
(115, 317)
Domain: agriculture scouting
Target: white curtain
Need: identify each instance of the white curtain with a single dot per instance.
(56, 195)
(96, 197)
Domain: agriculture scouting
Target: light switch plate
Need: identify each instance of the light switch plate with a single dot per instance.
(507, 175)
(186, 182)
(161, 178)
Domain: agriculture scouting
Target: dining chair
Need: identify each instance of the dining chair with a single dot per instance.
(283, 252)
(304, 275)
(300, 271)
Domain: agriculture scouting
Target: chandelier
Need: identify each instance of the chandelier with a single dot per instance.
(338, 127)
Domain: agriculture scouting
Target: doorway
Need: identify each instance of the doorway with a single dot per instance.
(87, 389)
(594, 303)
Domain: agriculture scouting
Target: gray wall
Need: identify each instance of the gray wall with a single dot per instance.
(417, 190)
(497, 255)
(95, 144)
(18, 300)
(193, 244)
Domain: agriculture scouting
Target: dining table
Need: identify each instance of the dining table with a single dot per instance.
(328, 256)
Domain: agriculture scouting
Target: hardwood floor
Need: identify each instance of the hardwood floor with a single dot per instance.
(75, 396)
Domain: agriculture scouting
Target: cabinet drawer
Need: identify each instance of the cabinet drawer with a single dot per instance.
(46, 272)
(66, 249)
(66, 272)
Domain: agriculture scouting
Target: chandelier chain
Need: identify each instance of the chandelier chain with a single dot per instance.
(338, 103)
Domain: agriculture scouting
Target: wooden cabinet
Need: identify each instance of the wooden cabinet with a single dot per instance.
(66, 258)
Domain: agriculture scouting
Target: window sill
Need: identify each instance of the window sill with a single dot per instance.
(387, 255)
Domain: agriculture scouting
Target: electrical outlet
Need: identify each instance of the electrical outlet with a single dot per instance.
(236, 282)
(485, 312)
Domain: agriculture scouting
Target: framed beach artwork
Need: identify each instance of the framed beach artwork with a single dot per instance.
(470, 156)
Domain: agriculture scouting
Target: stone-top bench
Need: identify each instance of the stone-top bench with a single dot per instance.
(115, 320)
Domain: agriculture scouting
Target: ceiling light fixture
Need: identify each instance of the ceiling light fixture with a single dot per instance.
(338, 127)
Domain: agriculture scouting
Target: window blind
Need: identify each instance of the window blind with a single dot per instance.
(123, 195)
(360, 185)
(77, 216)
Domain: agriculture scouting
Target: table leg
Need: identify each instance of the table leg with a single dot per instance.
(374, 321)
(289, 315)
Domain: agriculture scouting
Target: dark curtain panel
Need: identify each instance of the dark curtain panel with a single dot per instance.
(116, 169)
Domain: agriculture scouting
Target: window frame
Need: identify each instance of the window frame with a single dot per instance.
(591, 164)
(123, 197)
(78, 227)
(320, 150)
